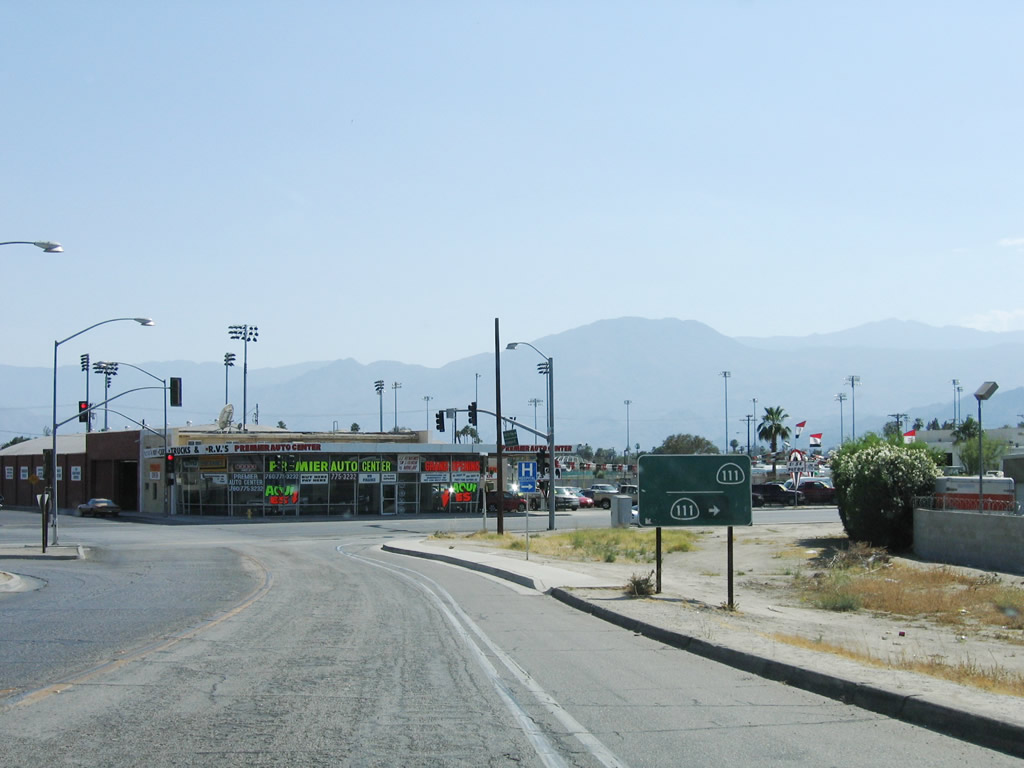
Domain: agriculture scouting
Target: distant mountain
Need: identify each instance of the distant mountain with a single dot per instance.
(891, 334)
(670, 371)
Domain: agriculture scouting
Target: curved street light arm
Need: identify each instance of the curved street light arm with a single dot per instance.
(46, 245)
(140, 320)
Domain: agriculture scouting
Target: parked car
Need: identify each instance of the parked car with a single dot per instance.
(817, 490)
(585, 501)
(602, 494)
(777, 493)
(99, 508)
(566, 499)
(512, 502)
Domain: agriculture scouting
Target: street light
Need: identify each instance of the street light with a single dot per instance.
(46, 245)
(853, 381)
(427, 399)
(985, 391)
(107, 370)
(54, 501)
(245, 333)
(548, 368)
(229, 361)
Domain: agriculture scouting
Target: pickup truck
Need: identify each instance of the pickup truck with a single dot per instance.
(602, 494)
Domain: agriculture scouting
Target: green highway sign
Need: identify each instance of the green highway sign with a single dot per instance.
(510, 437)
(694, 490)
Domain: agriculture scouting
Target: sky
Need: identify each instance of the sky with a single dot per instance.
(382, 180)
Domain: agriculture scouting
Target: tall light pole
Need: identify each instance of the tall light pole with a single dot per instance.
(396, 385)
(841, 397)
(959, 412)
(245, 333)
(534, 401)
(853, 381)
(547, 368)
(85, 367)
(725, 377)
(748, 418)
(163, 385)
(627, 403)
(956, 383)
(46, 245)
(54, 500)
(427, 399)
(378, 387)
(107, 370)
(229, 361)
(985, 391)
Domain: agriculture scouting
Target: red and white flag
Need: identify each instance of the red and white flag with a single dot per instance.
(909, 437)
(816, 440)
(800, 426)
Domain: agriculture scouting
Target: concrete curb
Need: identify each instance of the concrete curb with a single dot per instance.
(971, 727)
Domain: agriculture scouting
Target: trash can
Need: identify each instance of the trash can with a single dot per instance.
(622, 511)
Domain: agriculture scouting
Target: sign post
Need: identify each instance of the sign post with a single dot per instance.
(696, 491)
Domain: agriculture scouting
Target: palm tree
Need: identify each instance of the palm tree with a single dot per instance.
(771, 429)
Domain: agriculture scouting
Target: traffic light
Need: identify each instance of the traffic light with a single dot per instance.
(472, 413)
(48, 465)
(542, 462)
(169, 468)
(83, 411)
(439, 420)
(175, 391)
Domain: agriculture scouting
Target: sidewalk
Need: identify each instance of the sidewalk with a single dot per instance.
(686, 615)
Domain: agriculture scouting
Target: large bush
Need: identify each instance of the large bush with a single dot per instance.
(876, 482)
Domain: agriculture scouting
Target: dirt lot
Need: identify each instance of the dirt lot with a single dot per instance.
(772, 616)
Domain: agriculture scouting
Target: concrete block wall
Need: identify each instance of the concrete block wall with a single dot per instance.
(978, 540)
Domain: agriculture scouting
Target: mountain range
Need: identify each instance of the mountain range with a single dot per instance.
(670, 370)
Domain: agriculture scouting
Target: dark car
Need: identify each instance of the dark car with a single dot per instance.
(817, 491)
(776, 493)
(99, 507)
(512, 502)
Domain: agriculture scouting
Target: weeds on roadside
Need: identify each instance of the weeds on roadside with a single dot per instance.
(641, 585)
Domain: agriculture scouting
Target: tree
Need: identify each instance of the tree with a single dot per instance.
(876, 481)
(994, 453)
(282, 425)
(735, 445)
(586, 452)
(891, 429)
(918, 424)
(966, 431)
(772, 429)
(934, 424)
(14, 441)
(686, 444)
(469, 433)
(354, 427)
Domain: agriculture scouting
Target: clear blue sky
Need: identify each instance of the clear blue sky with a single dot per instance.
(380, 180)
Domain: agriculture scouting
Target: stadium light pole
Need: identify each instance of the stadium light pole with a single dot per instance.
(841, 398)
(956, 383)
(627, 403)
(46, 245)
(106, 370)
(378, 387)
(725, 377)
(245, 333)
(427, 399)
(396, 385)
(229, 362)
(853, 381)
(54, 501)
(548, 367)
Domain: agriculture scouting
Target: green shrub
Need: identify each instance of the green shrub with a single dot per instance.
(876, 482)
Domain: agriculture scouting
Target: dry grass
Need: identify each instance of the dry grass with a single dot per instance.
(599, 544)
(992, 679)
(861, 577)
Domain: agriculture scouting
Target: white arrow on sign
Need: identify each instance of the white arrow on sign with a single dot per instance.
(714, 511)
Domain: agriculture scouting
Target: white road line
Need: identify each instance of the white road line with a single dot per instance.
(461, 622)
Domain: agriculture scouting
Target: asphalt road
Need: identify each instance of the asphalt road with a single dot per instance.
(331, 652)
